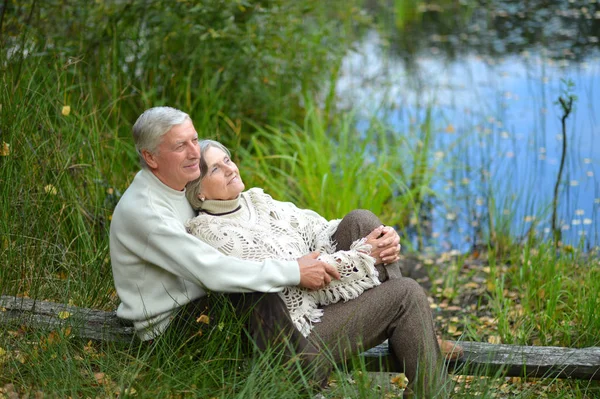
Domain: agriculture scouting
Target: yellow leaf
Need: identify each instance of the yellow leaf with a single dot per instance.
(471, 285)
(66, 110)
(50, 189)
(130, 391)
(494, 339)
(5, 149)
(64, 315)
(53, 338)
(101, 378)
(400, 381)
(203, 319)
(452, 329)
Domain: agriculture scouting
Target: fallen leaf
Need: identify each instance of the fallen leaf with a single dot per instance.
(50, 189)
(21, 358)
(5, 149)
(494, 339)
(101, 378)
(472, 285)
(64, 315)
(203, 319)
(400, 381)
(53, 338)
(66, 110)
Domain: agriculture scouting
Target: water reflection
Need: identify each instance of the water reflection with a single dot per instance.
(451, 29)
(491, 85)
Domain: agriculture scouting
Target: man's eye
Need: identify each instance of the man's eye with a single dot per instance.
(227, 160)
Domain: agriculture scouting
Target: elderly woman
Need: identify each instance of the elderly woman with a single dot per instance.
(253, 226)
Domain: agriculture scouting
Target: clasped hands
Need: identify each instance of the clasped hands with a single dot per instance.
(316, 274)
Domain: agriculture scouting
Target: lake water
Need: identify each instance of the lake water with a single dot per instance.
(497, 127)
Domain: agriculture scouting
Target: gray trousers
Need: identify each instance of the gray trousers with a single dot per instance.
(396, 310)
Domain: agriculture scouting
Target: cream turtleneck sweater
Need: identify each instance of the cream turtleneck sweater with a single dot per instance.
(256, 227)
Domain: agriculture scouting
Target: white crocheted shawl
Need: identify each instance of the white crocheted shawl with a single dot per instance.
(256, 227)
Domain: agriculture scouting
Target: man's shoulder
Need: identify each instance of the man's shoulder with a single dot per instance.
(144, 203)
(138, 202)
(134, 196)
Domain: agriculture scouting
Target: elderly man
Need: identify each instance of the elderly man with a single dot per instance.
(162, 273)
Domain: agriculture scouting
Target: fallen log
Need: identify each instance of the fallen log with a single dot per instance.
(479, 358)
(84, 322)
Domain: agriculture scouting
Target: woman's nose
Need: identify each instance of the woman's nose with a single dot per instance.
(228, 169)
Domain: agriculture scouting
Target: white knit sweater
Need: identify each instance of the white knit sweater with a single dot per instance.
(256, 227)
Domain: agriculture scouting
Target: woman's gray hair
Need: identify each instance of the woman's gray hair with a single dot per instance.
(193, 188)
(152, 125)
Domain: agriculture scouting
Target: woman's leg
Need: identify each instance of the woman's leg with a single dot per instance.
(397, 310)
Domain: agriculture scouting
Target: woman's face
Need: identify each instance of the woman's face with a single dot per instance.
(222, 180)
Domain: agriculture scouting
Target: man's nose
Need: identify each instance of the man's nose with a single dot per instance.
(195, 150)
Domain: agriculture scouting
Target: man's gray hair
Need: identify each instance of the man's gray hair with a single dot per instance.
(193, 188)
(152, 125)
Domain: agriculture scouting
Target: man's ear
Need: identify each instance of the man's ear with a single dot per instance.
(150, 159)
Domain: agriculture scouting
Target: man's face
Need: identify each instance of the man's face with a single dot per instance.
(176, 161)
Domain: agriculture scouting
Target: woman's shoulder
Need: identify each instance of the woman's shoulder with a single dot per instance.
(256, 194)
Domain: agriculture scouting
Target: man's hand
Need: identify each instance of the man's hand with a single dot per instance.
(385, 245)
(315, 274)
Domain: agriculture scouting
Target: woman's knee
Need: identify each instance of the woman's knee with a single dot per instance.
(406, 289)
(360, 221)
(362, 216)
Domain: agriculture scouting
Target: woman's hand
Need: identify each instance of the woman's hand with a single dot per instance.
(385, 245)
